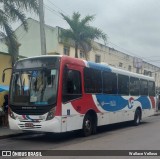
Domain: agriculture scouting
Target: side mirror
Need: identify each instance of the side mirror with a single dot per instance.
(3, 77)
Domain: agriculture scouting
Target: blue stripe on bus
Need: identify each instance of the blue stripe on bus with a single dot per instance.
(144, 102)
(111, 102)
(114, 103)
(99, 66)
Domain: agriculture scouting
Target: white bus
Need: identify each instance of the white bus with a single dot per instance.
(60, 94)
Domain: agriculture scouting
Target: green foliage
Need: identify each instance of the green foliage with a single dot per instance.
(12, 11)
(81, 32)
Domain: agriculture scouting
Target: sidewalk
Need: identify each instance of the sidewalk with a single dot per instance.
(5, 132)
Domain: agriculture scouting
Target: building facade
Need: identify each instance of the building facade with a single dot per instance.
(31, 46)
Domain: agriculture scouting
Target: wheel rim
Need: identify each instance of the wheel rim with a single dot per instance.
(88, 125)
(138, 119)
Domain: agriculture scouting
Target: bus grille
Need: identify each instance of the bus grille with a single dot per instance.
(24, 126)
(34, 120)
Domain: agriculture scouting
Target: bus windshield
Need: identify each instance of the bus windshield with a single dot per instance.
(34, 87)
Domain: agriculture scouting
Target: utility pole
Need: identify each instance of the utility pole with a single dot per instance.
(42, 25)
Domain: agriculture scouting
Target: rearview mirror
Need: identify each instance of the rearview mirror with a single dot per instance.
(3, 77)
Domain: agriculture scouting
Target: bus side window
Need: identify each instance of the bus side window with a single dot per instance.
(123, 84)
(134, 86)
(151, 88)
(109, 83)
(92, 80)
(144, 87)
(72, 88)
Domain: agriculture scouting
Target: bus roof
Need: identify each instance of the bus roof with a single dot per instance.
(131, 74)
(106, 67)
(42, 56)
(98, 66)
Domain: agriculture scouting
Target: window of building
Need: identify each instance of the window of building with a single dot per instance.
(92, 80)
(111, 65)
(71, 85)
(82, 54)
(134, 86)
(148, 73)
(155, 75)
(143, 87)
(97, 58)
(109, 83)
(137, 70)
(151, 88)
(129, 68)
(145, 72)
(120, 64)
(123, 84)
(66, 50)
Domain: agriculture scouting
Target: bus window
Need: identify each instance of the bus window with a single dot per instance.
(134, 86)
(92, 80)
(71, 85)
(123, 84)
(109, 83)
(151, 88)
(144, 87)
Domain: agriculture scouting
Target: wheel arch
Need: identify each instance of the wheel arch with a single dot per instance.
(140, 109)
(93, 114)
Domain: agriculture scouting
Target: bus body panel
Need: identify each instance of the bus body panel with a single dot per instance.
(109, 108)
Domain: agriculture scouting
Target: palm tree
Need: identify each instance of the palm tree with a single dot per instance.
(12, 11)
(81, 32)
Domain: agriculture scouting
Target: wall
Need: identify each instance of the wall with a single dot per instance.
(30, 40)
(30, 46)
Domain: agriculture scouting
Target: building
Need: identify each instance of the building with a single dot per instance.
(31, 46)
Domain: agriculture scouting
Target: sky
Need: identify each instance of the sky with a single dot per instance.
(132, 26)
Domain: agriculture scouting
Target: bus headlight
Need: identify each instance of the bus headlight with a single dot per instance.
(11, 113)
(51, 114)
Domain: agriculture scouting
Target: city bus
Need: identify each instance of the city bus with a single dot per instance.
(55, 93)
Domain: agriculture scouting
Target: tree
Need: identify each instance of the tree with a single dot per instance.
(12, 11)
(81, 32)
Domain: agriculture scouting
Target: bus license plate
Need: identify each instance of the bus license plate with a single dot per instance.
(30, 125)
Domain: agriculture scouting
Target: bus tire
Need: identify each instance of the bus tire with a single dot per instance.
(137, 117)
(94, 130)
(88, 125)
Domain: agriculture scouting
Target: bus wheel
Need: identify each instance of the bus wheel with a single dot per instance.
(137, 117)
(87, 125)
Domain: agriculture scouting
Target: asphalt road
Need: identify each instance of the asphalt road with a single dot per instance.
(113, 137)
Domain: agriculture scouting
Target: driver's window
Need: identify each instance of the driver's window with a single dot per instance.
(72, 88)
(18, 90)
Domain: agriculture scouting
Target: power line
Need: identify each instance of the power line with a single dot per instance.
(52, 10)
(128, 52)
(131, 53)
(57, 7)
